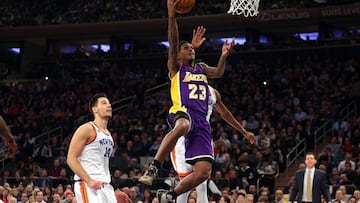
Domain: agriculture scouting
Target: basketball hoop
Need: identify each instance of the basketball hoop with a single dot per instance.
(244, 7)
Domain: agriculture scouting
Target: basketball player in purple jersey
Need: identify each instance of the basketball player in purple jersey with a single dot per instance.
(189, 95)
(182, 168)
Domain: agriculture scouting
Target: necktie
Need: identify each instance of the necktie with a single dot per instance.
(308, 191)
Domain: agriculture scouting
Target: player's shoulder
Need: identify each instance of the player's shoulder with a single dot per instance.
(203, 65)
(86, 127)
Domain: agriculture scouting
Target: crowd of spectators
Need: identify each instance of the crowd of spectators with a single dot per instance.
(281, 98)
(24, 13)
(298, 96)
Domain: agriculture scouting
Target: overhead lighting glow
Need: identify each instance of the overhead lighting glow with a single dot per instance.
(103, 47)
(338, 33)
(238, 40)
(127, 46)
(164, 43)
(263, 39)
(15, 50)
(308, 36)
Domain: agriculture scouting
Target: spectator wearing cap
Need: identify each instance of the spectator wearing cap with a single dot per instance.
(69, 196)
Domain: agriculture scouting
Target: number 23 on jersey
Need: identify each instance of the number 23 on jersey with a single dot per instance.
(197, 92)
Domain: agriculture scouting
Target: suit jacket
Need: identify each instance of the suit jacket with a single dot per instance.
(319, 188)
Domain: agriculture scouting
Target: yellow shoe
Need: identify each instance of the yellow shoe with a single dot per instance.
(149, 175)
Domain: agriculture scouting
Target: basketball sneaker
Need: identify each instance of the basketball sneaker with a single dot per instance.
(149, 175)
(164, 196)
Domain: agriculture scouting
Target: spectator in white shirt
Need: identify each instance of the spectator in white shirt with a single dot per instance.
(348, 158)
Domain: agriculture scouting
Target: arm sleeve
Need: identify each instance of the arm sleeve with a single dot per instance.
(213, 188)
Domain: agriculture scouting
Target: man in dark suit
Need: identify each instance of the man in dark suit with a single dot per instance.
(310, 183)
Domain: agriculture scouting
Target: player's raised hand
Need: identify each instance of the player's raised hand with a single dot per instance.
(198, 37)
(227, 47)
(171, 7)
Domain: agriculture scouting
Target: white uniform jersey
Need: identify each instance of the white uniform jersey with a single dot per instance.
(95, 156)
(211, 102)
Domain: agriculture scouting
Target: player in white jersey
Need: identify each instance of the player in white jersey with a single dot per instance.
(88, 157)
(178, 154)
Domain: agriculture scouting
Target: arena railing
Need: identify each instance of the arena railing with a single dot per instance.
(44, 137)
(320, 134)
(155, 90)
(47, 136)
(294, 154)
(350, 110)
(117, 105)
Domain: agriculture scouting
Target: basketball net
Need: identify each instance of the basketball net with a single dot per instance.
(244, 7)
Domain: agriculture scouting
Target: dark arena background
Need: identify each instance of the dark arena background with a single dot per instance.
(292, 79)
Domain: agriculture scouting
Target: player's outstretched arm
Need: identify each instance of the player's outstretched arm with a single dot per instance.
(218, 71)
(173, 38)
(230, 119)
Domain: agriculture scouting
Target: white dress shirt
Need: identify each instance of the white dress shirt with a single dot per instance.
(306, 184)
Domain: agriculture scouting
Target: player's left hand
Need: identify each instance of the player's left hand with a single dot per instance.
(227, 47)
(11, 148)
(198, 37)
(171, 4)
(250, 136)
(122, 197)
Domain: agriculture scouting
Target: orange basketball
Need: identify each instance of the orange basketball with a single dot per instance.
(185, 6)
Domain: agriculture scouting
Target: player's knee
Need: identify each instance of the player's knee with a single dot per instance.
(201, 177)
(182, 126)
(203, 173)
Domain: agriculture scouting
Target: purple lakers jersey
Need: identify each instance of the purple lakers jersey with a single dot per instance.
(189, 90)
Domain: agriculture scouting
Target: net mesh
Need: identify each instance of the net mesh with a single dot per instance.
(244, 7)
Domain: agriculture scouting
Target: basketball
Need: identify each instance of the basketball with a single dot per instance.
(185, 6)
